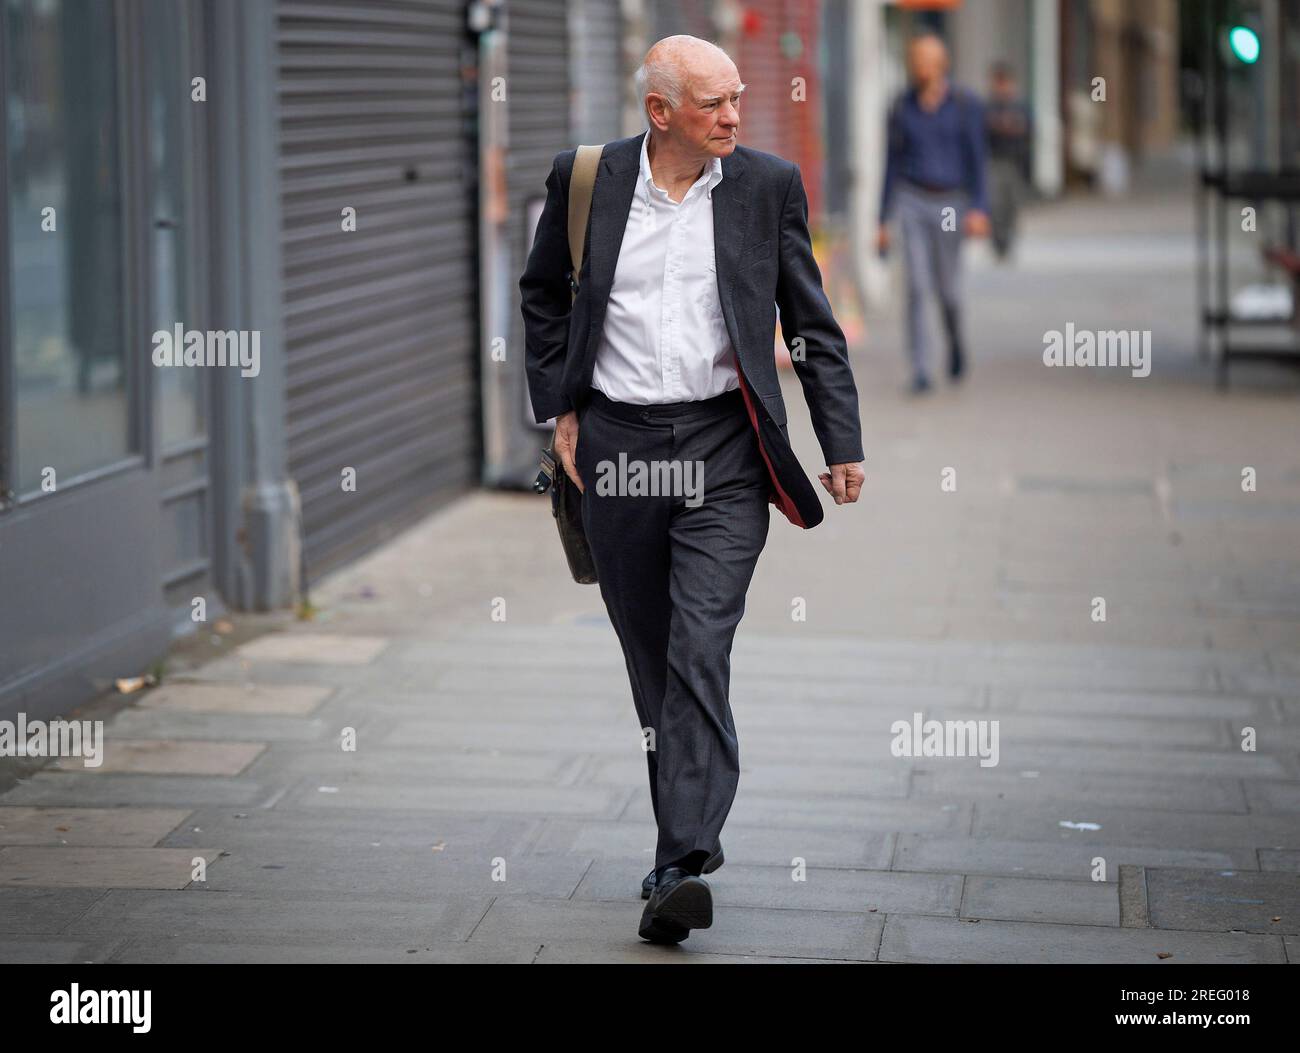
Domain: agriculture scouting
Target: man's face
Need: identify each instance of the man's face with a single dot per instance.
(708, 120)
(927, 61)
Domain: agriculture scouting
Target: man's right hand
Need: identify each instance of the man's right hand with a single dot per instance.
(882, 240)
(566, 445)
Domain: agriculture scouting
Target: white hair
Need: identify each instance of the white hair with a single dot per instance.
(664, 69)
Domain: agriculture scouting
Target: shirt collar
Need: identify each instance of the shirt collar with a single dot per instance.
(714, 171)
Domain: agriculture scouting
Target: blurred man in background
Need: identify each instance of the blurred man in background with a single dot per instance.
(934, 186)
(1007, 119)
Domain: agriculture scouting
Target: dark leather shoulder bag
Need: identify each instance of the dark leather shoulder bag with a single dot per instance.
(566, 499)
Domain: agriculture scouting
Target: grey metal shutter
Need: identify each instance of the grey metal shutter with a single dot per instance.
(380, 324)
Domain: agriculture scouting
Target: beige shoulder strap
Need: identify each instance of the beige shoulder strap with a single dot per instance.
(581, 184)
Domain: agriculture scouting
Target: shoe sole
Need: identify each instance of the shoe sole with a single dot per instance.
(710, 865)
(656, 930)
(688, 905)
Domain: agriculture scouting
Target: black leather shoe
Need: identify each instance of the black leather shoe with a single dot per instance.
(710, 865)
(680, 902)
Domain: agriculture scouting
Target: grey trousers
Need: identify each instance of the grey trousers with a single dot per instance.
(1006, 192)
(674, 570)
(932, 257)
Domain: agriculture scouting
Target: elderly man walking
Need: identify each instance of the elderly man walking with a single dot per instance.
(665, 357)
(935, 186)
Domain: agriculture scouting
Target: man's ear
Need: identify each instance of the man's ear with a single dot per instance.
(658, 111)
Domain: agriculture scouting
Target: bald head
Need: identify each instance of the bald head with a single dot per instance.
(690, 90)
(927, 60)
(676, 67)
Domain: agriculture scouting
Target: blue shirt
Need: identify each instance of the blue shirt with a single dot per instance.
(944, 149)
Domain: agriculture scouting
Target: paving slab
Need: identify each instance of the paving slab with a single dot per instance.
(101, 867)
(262, 728)
(1041, 756)
(1082, 789)
(314, 648)
(1273, 795)
(1071, 859)
(608, 735)
(515, 798)
(55, 788)
(1040, 899)
(1287, 860)
(409, 873)
(387, 763)
(58, 950)
(42, 910)
(267, 700)
(234, 670)
(1156, 827)
(1211, 901)
(950, 941)
(237, 915)
(136, 827)
(168, 757)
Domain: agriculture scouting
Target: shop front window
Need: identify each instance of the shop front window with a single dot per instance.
(71, 397)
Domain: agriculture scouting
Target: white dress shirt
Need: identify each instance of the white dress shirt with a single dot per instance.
(664, 338)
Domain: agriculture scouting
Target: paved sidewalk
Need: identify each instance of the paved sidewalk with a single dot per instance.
(495, 807)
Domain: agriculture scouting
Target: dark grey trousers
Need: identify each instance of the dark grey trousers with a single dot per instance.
(674, 569)
(933, 259)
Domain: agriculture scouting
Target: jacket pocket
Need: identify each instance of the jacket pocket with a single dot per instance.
(775, 406)
(760, 252)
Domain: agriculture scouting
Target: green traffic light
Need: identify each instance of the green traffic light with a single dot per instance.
(1244, 43)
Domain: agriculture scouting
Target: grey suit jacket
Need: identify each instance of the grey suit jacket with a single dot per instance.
(764, 261)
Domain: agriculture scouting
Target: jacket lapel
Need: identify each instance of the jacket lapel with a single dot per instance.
(610, 204)
(730, 232)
